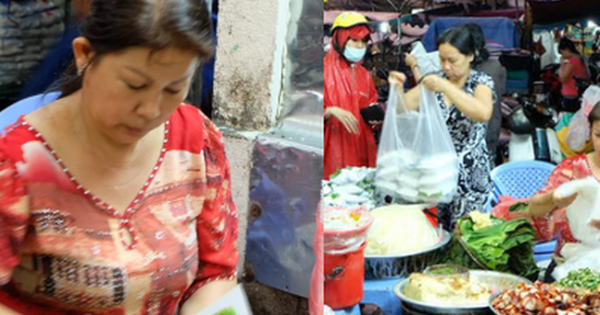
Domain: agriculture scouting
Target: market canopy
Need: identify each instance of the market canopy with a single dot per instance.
(367, 5)
(549, 12)
(329, 16)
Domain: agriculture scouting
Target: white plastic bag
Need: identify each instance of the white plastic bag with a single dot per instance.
(583, 257)
(586, 253)
(345, 229)
(579, 131)
(590, 97)
(585, 208)
(428, 62)
(579, 128)
(416, 161)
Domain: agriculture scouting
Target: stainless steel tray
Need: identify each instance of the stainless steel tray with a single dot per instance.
(444, 239)
(498, 281)
(492, 298)
(401, 266)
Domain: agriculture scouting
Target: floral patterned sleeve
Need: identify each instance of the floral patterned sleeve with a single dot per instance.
(563, 173)
(485, 79)
(217, 224)
(14, 216)
(555, 223)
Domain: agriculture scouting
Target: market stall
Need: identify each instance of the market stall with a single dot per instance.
(412, 263)
(484, 265)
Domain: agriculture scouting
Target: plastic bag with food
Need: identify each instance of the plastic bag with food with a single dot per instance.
(416, 161)
(345, 229)
(579, 131)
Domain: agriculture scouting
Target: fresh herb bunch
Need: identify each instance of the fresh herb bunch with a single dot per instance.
(581, 279)
(505, 246)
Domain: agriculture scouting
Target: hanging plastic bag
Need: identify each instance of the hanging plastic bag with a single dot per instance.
(590, 97)
(416, 161)
(578, 136)
(579, 131)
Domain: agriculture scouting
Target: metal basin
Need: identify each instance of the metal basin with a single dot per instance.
(401, 266)
(498, 282)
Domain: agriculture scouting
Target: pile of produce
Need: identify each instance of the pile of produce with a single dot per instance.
(398, 230)
(540, 299)
(350, 187)
(447, 290)
(585, 279)
(485, 242)
(402, 174)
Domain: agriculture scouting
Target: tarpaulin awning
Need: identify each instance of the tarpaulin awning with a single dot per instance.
(329, 16)
(499, 32)
(549, 12)
(367, 5)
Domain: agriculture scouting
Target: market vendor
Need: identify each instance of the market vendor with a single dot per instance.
(348, 88)
(116, 198)
(466, 97)
(487, 65)
(571, 66)
(547, 203)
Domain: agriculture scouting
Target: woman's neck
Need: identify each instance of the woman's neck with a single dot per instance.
(460, 82)
(92, 142)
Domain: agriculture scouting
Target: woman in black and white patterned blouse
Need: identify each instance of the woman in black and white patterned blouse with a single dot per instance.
(466, 98)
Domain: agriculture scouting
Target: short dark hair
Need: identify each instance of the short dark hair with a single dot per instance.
(467, 40)
(115, 25)
(567, 44)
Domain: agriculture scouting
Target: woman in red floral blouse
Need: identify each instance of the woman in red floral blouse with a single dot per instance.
(547, 203)
(115, 199)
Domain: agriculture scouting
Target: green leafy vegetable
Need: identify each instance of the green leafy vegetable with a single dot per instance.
(506, 246)
(518, 207)
(443, 271)
(581, 279)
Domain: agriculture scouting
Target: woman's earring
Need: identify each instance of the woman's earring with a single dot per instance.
(79, 71)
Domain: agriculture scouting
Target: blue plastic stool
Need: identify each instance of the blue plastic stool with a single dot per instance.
(381, 293)
(23, 107)
(547, 247)
(544, 251)
(355, 310)
(520, 179)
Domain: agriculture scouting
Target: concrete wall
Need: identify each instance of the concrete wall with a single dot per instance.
(248, 63)
(247, 101)
(247, 86)
(239, 152)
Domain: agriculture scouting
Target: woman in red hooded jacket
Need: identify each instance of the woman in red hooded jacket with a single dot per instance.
(349, 87)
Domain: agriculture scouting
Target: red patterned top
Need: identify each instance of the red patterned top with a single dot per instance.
(570, 169)
(61, 250)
